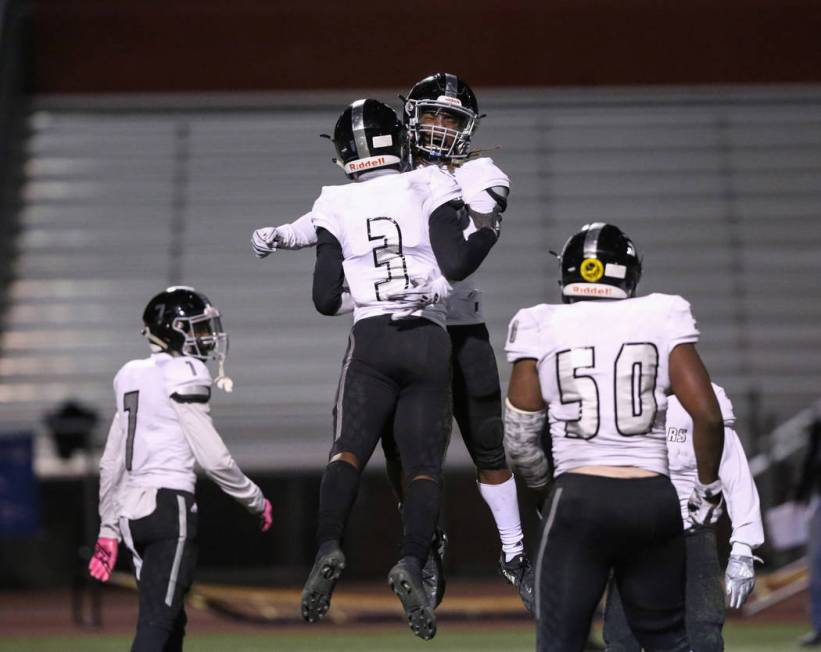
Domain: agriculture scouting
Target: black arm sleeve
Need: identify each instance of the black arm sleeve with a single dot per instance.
(328, 273)
(457, 258)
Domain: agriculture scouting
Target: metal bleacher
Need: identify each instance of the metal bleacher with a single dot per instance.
(720, 190)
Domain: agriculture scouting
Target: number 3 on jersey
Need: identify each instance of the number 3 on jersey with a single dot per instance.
(389, 255)
(634, 385)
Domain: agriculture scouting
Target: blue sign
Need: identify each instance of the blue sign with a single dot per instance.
(19, 514)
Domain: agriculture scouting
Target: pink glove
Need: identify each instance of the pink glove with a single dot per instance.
(103, 560)
(266, 518)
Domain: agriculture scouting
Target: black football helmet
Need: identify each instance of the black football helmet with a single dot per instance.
(599, 262)
(368, 135)
(440, 114)
(182, 321)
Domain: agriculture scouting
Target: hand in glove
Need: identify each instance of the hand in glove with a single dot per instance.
(705, 503)
(266, 518)
(431, 290)
(102, 561)
(739, 579)
(492, 220)
(264, 241)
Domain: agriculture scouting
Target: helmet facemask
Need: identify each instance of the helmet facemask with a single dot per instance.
(204, 336)
(441, 129)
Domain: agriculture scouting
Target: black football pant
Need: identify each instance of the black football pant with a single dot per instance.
(395, 376)
(477, 398)
(594, 526)
(704, 602)
(164, 549)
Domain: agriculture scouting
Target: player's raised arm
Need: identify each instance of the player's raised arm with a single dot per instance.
(293, 236)
(456, 256)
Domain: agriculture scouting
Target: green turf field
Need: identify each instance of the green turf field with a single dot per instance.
(739, 638)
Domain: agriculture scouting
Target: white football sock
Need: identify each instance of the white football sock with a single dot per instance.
(504, 505)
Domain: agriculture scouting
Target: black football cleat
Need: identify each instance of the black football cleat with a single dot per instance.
(316, 596)
(520, 574)
(405, 580)
(433, 572)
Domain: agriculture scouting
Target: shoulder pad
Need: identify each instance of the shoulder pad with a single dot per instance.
(187, 380)
(442, 188)
(523, 336)
(478, 175)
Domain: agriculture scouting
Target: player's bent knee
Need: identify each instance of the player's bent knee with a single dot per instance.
(345, 456)
(436, 478)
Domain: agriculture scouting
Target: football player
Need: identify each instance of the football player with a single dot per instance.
(704, 599)
(383, 236)
(598, 369)
(441, 114)
(160, 429)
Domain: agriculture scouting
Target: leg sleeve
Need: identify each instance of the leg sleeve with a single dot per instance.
(705, 597)
(477, 399)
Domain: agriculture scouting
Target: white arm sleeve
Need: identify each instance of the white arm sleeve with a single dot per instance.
(740, 493)
(523, 445)
(213, 456)
(298, 234)
(112, 468)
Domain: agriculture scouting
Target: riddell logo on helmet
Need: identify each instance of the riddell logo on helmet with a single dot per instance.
(364, 164)
(596, 291)
(449, 100)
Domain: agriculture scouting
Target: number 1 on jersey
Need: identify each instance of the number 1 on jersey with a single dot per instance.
(131, 403)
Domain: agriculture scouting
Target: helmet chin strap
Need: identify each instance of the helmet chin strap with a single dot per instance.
(225, 383)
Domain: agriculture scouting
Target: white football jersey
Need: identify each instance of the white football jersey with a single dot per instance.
(603, 371)
(156, 451)
(161, 428)
(464, 304)
(737, 482)
(382, 225)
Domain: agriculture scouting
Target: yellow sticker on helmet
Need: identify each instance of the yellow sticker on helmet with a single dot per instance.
(591, 269)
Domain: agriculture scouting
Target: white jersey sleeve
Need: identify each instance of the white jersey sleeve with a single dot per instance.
(523, 336)
(299, 233)
(112, 469)
(187, 380)
(213, 457)
(681, 325)
(476, 176)
(324, 216)
(740, 493)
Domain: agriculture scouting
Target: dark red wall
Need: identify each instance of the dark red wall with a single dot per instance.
(222, 45)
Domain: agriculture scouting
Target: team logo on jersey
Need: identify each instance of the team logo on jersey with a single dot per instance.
(591, 269)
